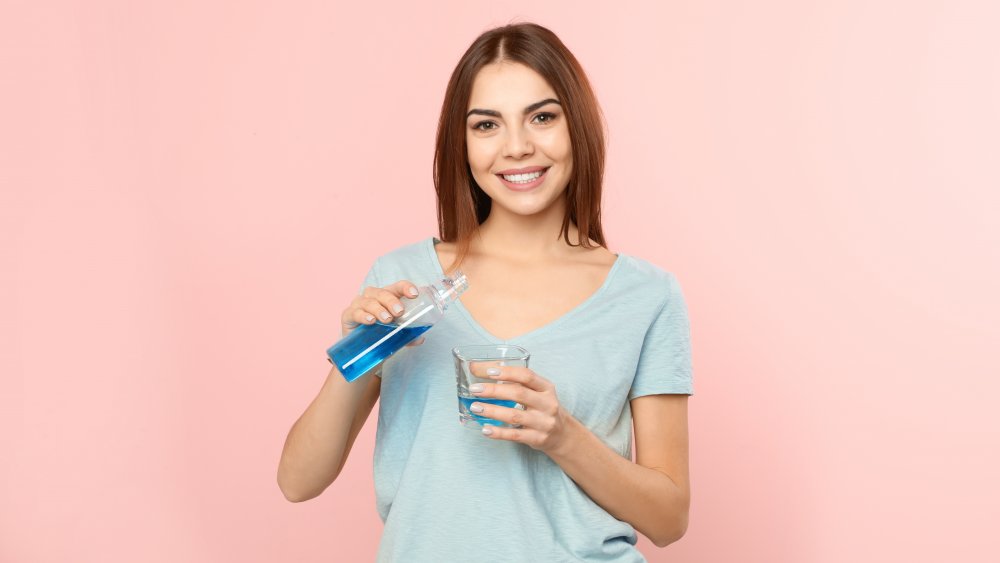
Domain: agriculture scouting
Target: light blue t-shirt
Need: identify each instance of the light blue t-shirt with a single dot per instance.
(446, 493)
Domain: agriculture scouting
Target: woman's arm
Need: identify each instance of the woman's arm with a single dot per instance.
(653, 494)
(320, 440)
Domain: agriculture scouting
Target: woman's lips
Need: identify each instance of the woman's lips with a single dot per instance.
(525, 186)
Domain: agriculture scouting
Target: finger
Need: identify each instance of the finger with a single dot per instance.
(483, 368)
(353, 316)
(510, 415)
(362, 317)
(390, 296)
(509, 392)
(375, 308)
(518, 374)
(523, 435)
(390, 301)
(403, 288)
(417, 342)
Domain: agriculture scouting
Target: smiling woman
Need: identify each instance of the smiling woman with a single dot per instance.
(538, 141)
(518, 171)
(526, 69)
(484, 142)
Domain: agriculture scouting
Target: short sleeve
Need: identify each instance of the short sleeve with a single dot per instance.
(665, 359)
(371, 278)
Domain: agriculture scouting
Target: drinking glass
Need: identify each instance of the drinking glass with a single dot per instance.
(484, 355)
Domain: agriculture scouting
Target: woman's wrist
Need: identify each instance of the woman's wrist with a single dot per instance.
(572, 433)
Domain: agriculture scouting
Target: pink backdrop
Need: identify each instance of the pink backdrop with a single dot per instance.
(191, 191)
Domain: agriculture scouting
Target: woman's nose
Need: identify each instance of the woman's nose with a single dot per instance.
(518, 143)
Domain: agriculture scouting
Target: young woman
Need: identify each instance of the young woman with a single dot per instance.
(518, 172)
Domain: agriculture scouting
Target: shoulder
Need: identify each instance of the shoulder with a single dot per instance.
(649, 276)
(643, 287)
(410, 259)
(409, 251)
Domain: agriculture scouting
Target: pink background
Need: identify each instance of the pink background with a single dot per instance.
(191, 192)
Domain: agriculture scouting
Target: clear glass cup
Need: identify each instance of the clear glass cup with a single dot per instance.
(485, 355)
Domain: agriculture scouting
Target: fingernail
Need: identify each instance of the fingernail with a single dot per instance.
(385, 316)
(492, 371)
(397, 308)
(412, 291)
(369, 318)
(476, 407)
(476, 388)
(487, 430)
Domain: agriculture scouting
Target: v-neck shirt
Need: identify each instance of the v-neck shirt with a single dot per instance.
(551, 325)
(447, 493)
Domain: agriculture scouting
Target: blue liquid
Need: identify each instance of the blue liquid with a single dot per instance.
(465, 402)
(363, 337)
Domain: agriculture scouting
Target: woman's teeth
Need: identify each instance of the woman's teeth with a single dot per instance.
(522, 178)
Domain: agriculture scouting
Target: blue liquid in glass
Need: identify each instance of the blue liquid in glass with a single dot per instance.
(465, 402)
(363, 337)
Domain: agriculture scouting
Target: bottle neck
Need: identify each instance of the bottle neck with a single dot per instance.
(449, 289)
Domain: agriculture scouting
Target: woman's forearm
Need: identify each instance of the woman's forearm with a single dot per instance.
(646, 498)
(318, 443)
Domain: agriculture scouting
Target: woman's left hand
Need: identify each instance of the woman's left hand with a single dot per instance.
(544, 423)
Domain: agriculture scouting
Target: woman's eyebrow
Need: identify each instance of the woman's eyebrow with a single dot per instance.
(529, 109)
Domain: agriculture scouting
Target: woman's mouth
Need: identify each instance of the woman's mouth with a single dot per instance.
(523, 182)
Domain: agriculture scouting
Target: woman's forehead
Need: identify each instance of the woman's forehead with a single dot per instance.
(508, 87)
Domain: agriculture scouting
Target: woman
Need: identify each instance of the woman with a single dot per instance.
(518, 172)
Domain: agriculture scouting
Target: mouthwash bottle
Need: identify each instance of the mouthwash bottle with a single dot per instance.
(368, 345)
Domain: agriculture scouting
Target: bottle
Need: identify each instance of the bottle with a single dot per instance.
(368, 345)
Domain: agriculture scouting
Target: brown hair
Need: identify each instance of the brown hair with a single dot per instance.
(462, 205)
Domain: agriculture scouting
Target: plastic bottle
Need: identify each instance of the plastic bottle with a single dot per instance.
(368, 345)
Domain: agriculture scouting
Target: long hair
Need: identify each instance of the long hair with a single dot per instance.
(461, 204)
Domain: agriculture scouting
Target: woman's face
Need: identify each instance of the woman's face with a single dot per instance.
(518, 139)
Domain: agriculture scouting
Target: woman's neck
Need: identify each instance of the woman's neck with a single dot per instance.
(528, 238)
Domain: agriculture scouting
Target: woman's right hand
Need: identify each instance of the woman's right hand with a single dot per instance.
(378, 304)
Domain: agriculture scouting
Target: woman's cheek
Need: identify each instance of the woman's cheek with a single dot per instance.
(478, 157)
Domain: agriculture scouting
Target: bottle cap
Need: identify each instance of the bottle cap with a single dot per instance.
(450, 288)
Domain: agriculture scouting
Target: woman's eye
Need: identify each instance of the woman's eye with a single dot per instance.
(545, 117)
(484, 126)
